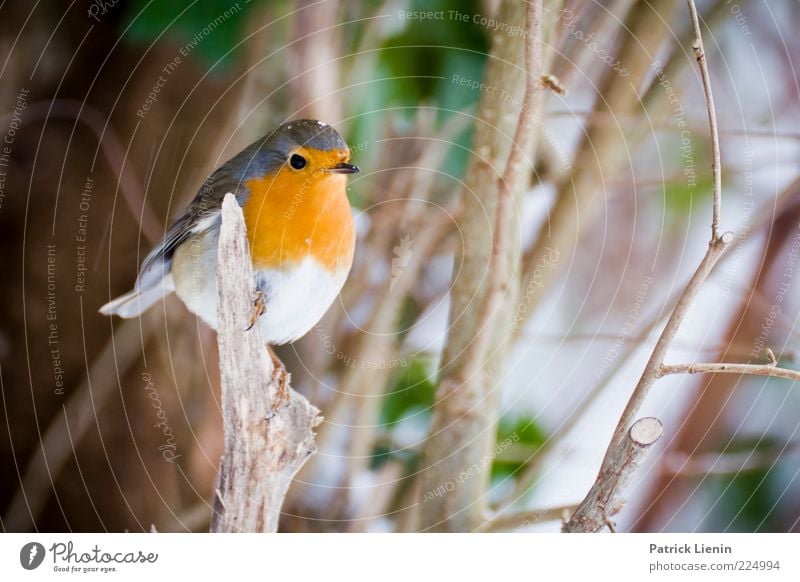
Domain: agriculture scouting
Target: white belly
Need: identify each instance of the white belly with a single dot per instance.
(296, 298)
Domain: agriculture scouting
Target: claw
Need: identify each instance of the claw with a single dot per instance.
(259, 308)
(280, 376)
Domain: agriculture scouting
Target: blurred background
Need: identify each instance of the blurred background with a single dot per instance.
(114, 112)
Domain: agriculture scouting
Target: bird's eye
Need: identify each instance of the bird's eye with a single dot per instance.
(297, 161)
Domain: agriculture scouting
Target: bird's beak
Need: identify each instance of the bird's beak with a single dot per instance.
(343, 168)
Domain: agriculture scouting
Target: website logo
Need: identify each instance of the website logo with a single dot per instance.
(31, 555)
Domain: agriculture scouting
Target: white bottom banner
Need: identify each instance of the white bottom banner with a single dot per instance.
(356, 557)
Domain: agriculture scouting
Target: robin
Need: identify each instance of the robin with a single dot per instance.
(291, 186)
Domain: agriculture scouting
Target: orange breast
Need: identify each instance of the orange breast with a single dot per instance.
(291, 216)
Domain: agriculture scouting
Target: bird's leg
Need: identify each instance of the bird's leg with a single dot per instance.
(259, 308)
(279, 375)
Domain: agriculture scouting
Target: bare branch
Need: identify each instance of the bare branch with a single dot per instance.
(725, 368)
(605, 498)
(716, 169)
(268, 434)
(515, 169)
(523, 519)
(674, 63)
(652, 369)
(716, 247)
(463, 428)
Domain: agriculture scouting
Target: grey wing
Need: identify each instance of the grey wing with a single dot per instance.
(204, 211)
(202, 214)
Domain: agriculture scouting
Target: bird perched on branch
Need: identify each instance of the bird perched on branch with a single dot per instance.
(291, 186)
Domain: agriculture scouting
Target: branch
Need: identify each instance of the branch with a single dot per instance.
(513, 174)
(523, 519)
(463, 428)
(653, 368)
(268, 435)
(529, 473)
(671, 68)
(716, 247)
(770, 369)
(716, 170)
(605, 498)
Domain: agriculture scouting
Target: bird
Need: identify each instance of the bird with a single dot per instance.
(292, 187)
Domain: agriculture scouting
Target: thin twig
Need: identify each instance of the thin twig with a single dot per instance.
(515, 167)
(716, 169)
(672, 66)
(528, 474)
(725, 368)
(653, 367)
(523, 519)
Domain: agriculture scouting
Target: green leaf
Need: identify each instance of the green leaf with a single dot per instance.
(412, 391)
(517, 440)
(204, 30)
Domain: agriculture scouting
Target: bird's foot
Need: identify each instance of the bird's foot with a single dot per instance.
(280, 376)
(259, 308)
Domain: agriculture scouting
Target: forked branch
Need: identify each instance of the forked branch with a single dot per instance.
(653, 370)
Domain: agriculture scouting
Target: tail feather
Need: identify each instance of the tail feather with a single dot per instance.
(138, 300)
